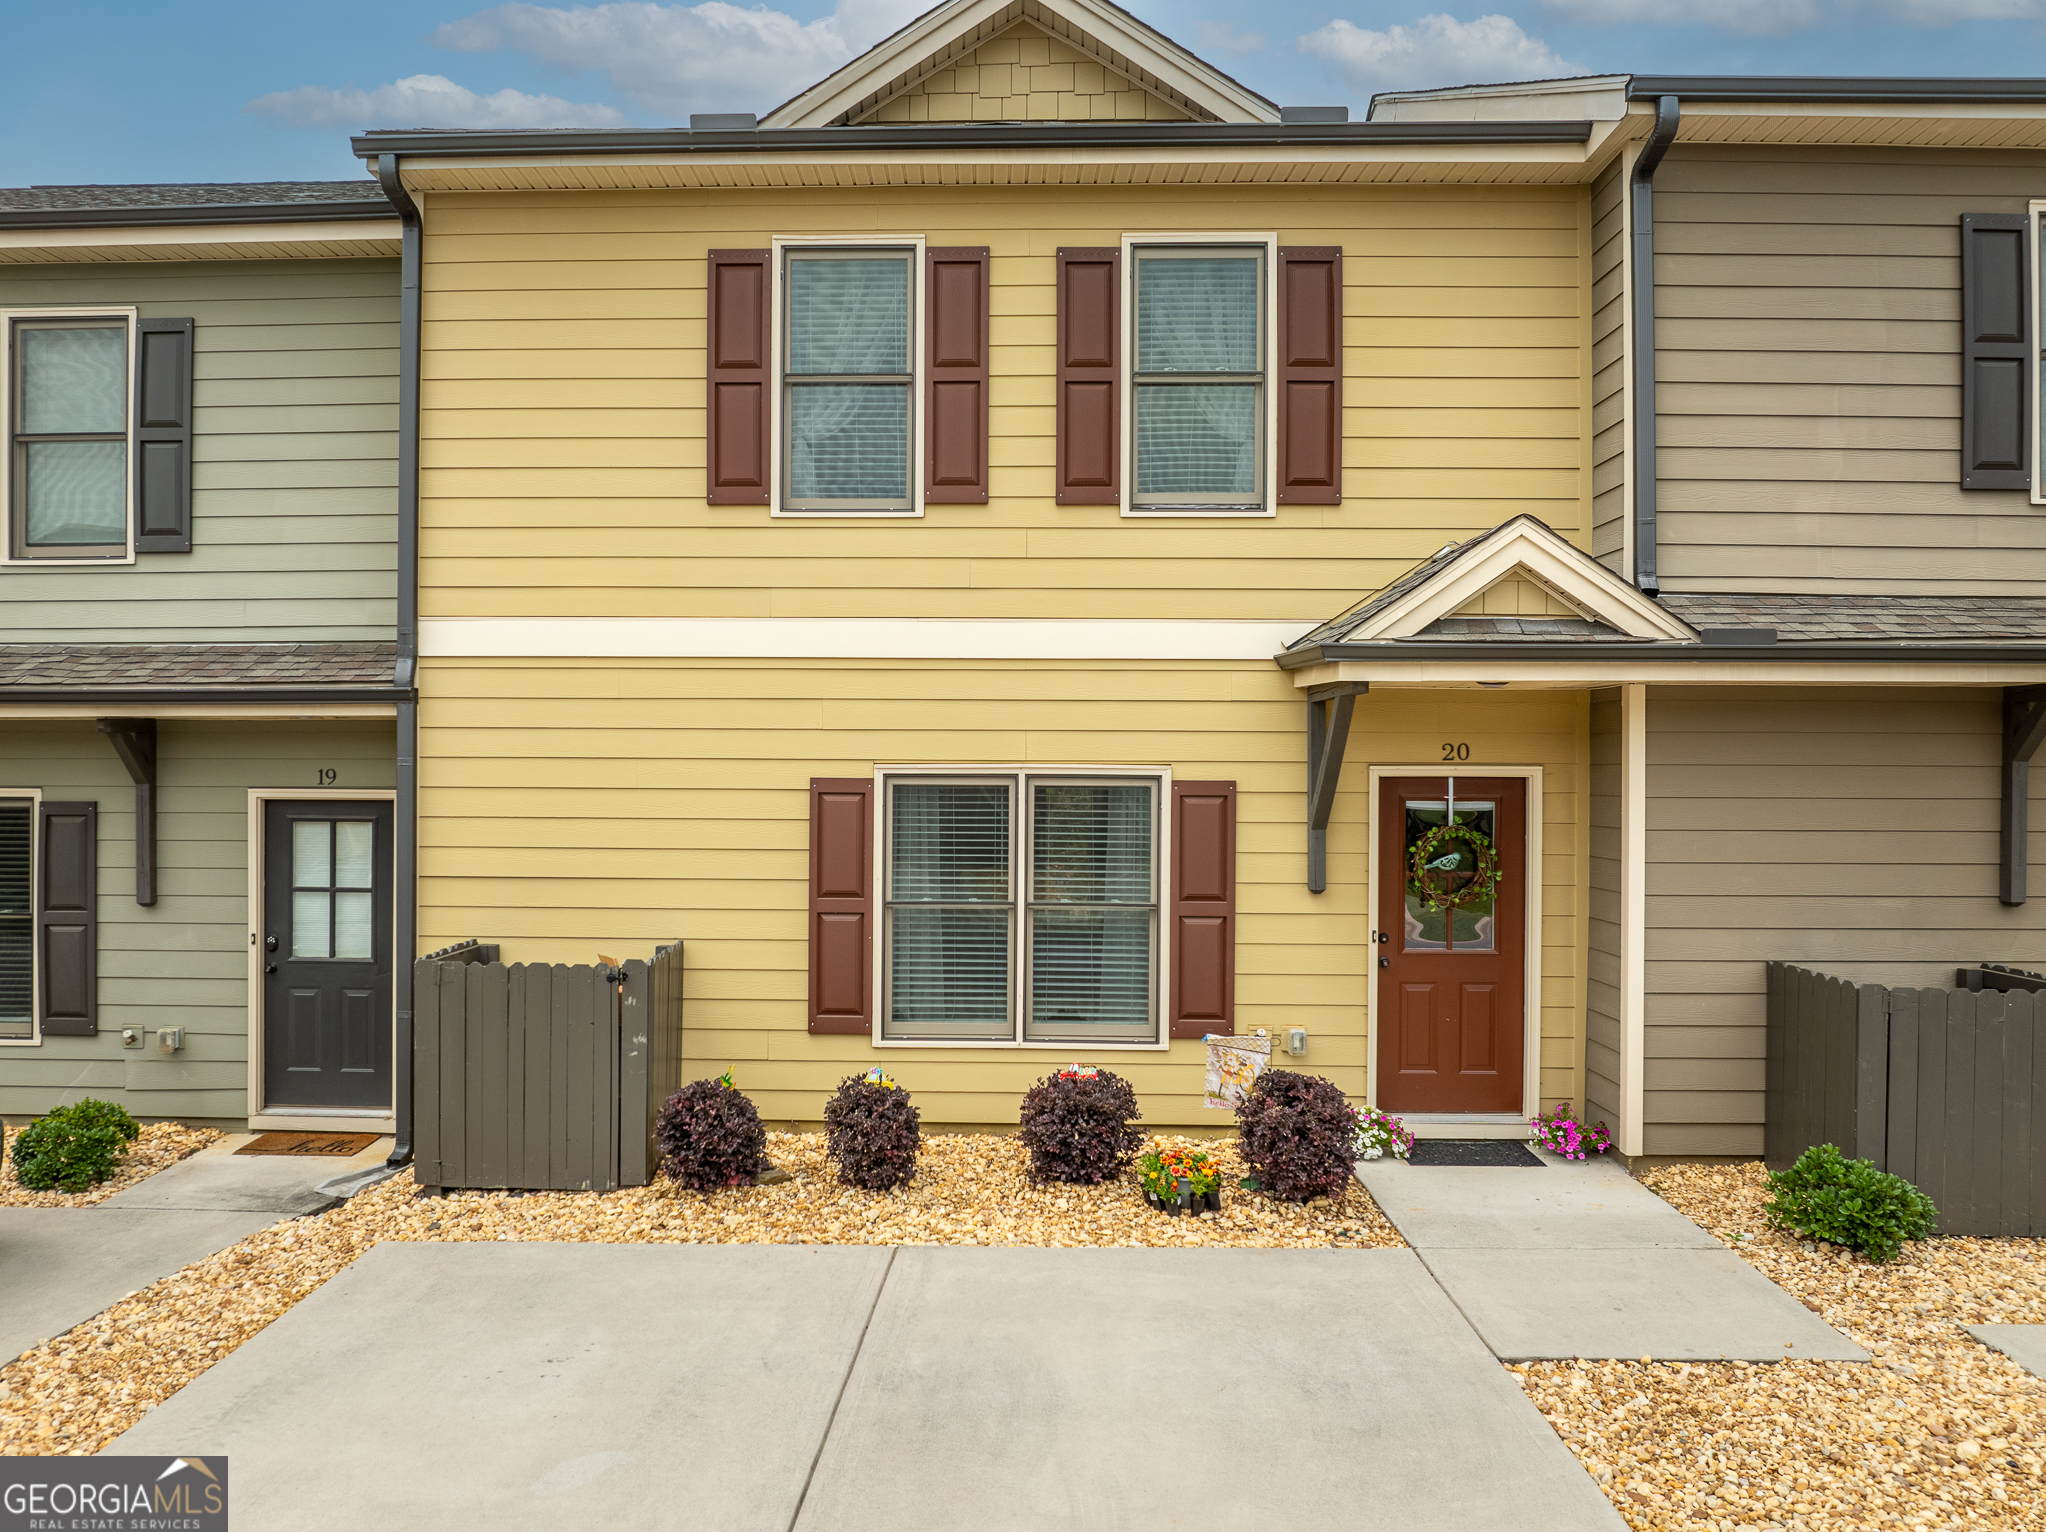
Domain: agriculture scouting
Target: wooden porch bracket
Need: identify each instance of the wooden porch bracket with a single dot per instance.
(1328, 735)
(134, 741)
(2024, 726)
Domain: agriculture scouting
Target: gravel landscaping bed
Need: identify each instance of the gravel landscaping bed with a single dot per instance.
(162, 1144)
(1940, 1432)
(79, 1391)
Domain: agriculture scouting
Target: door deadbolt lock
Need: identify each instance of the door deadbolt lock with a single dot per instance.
(270, 943)
(1382, 937)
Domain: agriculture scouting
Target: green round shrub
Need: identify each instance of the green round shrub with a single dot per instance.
(75, 1147)
(1849, 1202)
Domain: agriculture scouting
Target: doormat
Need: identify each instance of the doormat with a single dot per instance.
(341, 1144)
(1471, 1151)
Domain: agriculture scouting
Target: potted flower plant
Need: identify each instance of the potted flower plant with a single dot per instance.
(1181, 1181)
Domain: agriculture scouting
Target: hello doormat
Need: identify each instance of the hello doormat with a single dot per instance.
(341, 1144)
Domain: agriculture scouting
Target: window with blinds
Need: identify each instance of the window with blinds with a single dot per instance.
(1021, 908)
(848, 379)
(68, 423)
(1198, 378)
(17, 917)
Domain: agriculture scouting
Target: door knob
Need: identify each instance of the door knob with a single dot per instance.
(1385, 962)
(269, 968)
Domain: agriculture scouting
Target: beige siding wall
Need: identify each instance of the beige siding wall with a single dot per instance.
(1609, 369)
(183, 961)
(563, 457)
(577, 807)
(1851, 831)
(1603, 977)
(1808, 366)
(1025, 75)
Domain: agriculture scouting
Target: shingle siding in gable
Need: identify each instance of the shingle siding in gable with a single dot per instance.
(294, 481)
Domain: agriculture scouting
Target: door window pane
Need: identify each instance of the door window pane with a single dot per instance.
(311, 916)
(1452, 865)
(74, 380)
(17, 918)
(311, 853)
(354, 934)
(354, 845)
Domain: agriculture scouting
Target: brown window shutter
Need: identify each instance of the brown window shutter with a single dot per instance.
(736, 400)
(1310, 375)
(67, 918)
(1203, 908)
(1089, 385)
(842, 904)
(955, 376)
(163, 436)
(1996, 333)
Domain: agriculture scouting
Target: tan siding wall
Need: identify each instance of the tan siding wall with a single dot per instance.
(1603, 913)
(1808, 364)
(577, 807)
(1609, 369)
(1024, 75)
(1849, 831)
(563, 420)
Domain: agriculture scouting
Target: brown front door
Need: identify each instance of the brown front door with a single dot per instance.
(1450, 1017)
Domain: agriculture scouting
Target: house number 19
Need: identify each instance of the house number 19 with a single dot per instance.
(328, 776)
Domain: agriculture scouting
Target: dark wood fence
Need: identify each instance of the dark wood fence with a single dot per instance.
(542, 1077)
(1944, 1087)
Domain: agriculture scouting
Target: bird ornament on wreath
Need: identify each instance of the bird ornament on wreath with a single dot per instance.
(1435, 871)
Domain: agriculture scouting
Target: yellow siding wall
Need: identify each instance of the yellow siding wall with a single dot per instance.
(1026, 76)
(1515, 597)
(563, 418)
(578, 806)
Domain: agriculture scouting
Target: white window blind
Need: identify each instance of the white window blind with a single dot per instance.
(848, 377)
(1199, 377)
(1074, 861)
(17, 918)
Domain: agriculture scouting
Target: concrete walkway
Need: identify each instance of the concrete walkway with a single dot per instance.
(61, 1266)
(2023, 1344)
(849, 1388)
(1578, 1259)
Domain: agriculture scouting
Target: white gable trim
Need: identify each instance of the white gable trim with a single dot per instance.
(875, 72)
(1538, 555)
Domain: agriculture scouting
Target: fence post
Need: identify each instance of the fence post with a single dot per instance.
(1776, 1093)
(1872, 1074)
(635, 1035)
(426, 1074)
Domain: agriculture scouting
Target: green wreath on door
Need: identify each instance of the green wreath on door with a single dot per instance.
(1427, 858)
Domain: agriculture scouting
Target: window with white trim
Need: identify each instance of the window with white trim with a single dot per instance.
(68, 437)
(848, 378)
(17, 918)
(1021, 907)
(1197, 378)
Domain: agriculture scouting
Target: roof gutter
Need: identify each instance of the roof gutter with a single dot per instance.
(225, 213)
(1642, 274)
(1406, 651)
(924, 137)
(405, 830)
(1874, 90)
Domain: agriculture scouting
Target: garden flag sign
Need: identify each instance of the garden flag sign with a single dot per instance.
(1234, 1063)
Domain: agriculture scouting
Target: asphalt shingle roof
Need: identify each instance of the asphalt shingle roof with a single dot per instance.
(91, 665)
(1870, 619)
(48, 199)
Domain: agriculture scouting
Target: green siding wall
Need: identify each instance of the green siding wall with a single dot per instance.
(184, 960)
(295, 448)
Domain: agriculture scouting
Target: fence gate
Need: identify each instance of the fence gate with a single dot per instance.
(542, 1076)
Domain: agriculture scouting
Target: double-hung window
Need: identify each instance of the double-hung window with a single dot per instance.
(1198, 378)
(1021, 907)
(68, 391)
(848, 378)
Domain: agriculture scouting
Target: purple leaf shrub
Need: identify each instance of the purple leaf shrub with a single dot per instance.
(1298, 1133)
(1079, 1126)
(710, 1136)
(871, 1131)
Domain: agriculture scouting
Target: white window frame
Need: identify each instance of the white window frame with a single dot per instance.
(1267, 329)
(913, 244)
(1021, 775)
(2036, 426)
(34, 796)
(8, 558)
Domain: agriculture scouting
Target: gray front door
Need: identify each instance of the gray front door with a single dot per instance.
(326, 944)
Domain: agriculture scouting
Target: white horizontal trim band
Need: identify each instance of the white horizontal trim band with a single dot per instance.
(857, 638)
(322, 231)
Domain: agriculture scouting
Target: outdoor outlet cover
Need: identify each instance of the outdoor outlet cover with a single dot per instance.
(1296, 1041)
(169, 1039)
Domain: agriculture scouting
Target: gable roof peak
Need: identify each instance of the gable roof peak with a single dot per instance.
(1099, 29)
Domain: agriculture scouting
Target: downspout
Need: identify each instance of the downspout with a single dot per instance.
(1643, 283)
(405, 829)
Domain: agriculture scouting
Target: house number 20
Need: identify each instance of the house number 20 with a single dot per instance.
(1456, 752)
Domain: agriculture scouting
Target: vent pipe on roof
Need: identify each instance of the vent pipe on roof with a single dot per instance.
(1642, 275)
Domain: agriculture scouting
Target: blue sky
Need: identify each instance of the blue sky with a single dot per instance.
(231, 90)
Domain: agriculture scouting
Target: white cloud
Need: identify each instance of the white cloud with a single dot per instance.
(1943, 13)
(1220, 37)
(1435, 51)
(1777, 18)
(674, 59)
(428, 101)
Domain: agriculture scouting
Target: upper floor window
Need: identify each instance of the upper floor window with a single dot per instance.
(67, 477)
(1198, 385)
(848, 379)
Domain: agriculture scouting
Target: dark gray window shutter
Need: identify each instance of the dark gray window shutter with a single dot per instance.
(1996, 335)
(163, 436)
(67, 918)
